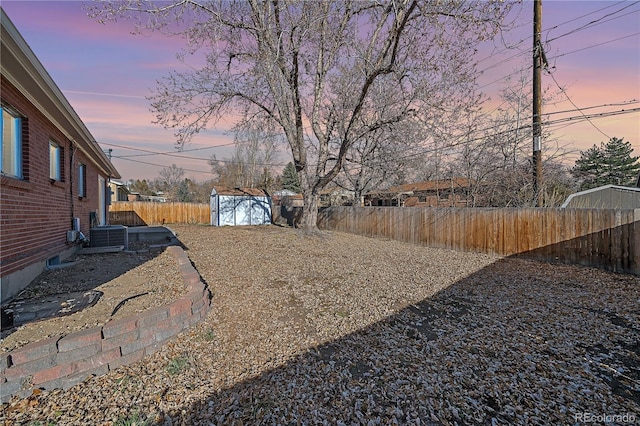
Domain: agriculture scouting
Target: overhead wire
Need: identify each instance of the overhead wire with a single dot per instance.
(595, 45)
(598, 21)
(564, 92)
(548, 123)
(483, 130)
(163, 165)
(585, 15)
(547, 30)
(166, 152)
(601, 20)
(570, 120)
(450, 147)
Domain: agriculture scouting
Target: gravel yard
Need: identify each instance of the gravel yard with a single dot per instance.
(128, 282)
(342, 329)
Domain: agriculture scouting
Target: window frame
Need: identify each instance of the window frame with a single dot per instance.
(16, 149)
(55, 161)
(82, 180)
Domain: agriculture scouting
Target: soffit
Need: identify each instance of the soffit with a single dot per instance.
(22, 69)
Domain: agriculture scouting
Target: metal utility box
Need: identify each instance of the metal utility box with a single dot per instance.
(109, 236)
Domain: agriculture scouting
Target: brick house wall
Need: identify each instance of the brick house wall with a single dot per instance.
(36, 213)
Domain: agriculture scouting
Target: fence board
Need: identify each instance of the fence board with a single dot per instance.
(145, 213)
(608, 239)
(601, 238)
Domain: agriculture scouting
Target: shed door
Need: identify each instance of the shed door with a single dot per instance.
(226, 210)
(243, 210)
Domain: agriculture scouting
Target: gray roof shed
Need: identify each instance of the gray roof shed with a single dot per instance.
(605, 197)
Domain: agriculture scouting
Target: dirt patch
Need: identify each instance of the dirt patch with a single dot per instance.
(131, 281)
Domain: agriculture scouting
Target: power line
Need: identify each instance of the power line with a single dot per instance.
(595, 45)
(463, 141)
(163, 165)
(161, 153)
(485, 130)
(549, 123)
(547, 30)
(174, 152)
(528, 51)
(584, 16)
(598, 21)
(592, 116)
(504, 78)
(633, 101)
(564, 92)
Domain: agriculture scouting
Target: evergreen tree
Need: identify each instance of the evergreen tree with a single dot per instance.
(620, 167)
(290, 178)
(609, 164)
(183, 194)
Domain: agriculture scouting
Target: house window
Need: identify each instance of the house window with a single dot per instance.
(55, 161)
(11, 143)
(82, 180)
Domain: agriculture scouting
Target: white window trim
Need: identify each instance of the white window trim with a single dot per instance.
(55, 162)
(16, 143)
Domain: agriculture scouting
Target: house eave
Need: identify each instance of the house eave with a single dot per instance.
(24, 71)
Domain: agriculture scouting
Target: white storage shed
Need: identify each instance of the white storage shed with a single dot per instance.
(239, 206)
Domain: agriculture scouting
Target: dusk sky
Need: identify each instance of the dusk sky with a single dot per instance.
(105, 72)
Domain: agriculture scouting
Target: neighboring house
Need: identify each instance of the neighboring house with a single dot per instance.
(605, 197)
(433, 193)
(283, 193)
(286, 198)
(336, 196)
(119, 191)
(54, 176)
(134, 196)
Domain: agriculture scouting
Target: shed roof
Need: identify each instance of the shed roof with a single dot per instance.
(607, 196)
(223, 190)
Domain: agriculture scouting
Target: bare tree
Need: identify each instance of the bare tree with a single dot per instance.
(257, 145)
(494, 152)
(170, 181)
(228, 172)
(310, 68)
(251, 164)
(382, 158)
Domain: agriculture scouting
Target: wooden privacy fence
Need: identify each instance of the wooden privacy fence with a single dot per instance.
(140, 213)
(608, 239)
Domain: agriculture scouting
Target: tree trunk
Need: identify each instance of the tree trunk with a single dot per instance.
(309, 220)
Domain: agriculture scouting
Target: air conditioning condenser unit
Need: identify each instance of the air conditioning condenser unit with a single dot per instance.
(109, 236)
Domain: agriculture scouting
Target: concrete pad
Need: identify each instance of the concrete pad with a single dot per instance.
(94, 250)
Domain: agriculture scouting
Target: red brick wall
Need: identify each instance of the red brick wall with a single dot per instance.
(36, 213)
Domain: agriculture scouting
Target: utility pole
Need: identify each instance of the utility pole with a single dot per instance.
(538, 60)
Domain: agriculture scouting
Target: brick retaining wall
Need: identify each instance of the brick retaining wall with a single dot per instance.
(63, 361)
